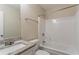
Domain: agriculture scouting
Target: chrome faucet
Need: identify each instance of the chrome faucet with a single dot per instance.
(8, 43)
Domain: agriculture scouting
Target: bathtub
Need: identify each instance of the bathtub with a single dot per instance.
(50, 50)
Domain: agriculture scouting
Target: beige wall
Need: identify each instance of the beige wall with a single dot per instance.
(29, 29)
(11, 21)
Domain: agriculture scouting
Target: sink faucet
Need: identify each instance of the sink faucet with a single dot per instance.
(8, 43)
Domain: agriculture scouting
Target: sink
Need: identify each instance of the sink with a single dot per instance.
(11, 49)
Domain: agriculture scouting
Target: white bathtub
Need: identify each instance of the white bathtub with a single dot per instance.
(51, 50)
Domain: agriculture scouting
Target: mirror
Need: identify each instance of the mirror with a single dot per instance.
(11, 20)
(15, 25)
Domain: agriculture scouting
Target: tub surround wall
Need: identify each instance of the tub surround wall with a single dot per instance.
(62, 34)
(77, 28)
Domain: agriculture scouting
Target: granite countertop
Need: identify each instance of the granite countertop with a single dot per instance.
(16, 48)
(19, 51)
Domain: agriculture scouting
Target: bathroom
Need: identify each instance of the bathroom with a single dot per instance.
(39, 29)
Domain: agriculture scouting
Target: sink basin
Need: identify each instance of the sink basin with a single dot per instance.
(11, 49)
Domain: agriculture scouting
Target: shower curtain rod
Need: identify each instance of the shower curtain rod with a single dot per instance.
(65, 8)
(31, 20)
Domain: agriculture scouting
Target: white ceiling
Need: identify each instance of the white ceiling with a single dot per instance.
(47, 7)
(54, 7)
